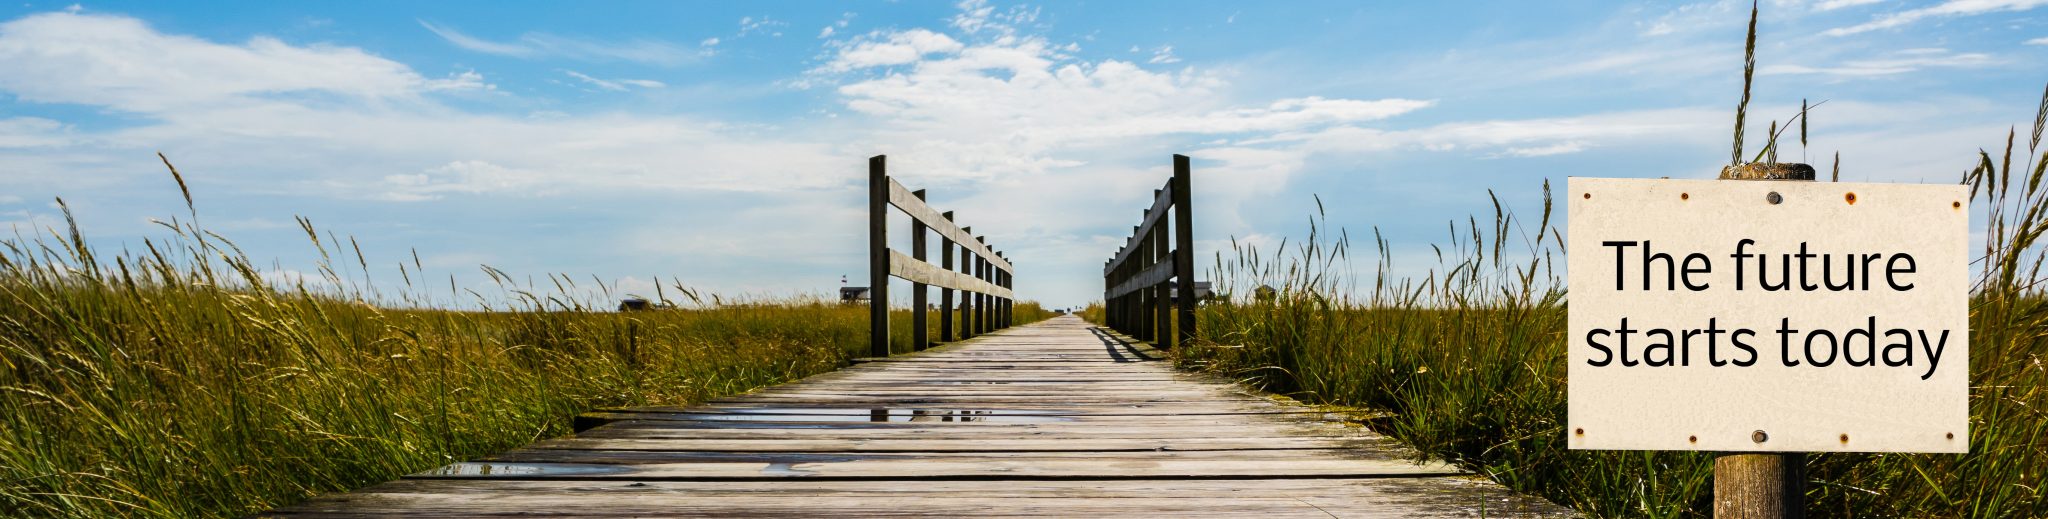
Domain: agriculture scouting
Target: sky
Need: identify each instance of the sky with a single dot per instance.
(723, 145)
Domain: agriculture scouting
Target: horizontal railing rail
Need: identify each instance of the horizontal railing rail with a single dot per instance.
(1148, 286)
(983, 277)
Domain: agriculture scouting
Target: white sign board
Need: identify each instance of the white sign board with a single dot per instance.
(1724, 315)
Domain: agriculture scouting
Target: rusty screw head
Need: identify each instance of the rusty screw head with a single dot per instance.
(1685, 196)
(1851, 198)
(1774, 198)
(1579, 431)
(1759, 435)
(1957, 205)
(1589, 196)
(1951, 436)
(1692, 439)
(1845, 437)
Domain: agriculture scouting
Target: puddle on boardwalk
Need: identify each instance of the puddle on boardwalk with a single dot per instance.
(855, 415)
(787, 470)
(479, 469)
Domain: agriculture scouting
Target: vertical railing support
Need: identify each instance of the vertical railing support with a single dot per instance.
(920, 336)
(1162, 295)
(968, 300)
(878, 256)
(1184, 247)
(946, 294)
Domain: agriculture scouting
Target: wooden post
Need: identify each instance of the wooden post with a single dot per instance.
(1108, 282)
(1184, 248)
(967, 301)
(920, 336)
(1002, 308)
(982, 301)
(946, 294)
(1762, 485)
(878, 256)
(1162, 309)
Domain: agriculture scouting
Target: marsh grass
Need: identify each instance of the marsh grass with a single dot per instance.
(180, 381)
(1467, 363)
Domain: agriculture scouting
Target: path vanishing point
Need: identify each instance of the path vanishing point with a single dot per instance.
(1054, 419)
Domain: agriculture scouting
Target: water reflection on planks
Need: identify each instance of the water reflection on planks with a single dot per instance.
(1053, 419)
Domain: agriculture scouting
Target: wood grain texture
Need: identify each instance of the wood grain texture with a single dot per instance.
(1055, 419)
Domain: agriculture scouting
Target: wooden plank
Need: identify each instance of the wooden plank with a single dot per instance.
(1121, 457)
(1152, 216)
(952, 445)
(1065, 422)
(945, 468)
(1321, 498)
(902, 198)
(1152, 275)
(919, 271)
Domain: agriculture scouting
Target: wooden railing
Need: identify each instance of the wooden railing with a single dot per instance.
(1138, 281)
(983, 277)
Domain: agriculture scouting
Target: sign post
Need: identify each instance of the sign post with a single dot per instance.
(1764, 320)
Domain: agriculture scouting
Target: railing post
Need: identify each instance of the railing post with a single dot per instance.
(981, 312)
(1162, 313)
(946, 294)
(1184, 247)
(920, 336)
(1141, 313)
(878, 256)
(967, 301)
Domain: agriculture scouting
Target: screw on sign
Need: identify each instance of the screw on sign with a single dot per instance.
(1764, 320)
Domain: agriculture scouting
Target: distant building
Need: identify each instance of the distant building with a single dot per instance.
(1202, 291)
(634, 304)
(854, 295)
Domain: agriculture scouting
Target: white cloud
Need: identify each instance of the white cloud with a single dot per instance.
(220, 108)
(10, 199)
(1897, 63)
(1561, 148)
(1048, 136)
(1945, 9)
(763, 25)
(615, 85)
(1163, 55)
(30, 132)
(540, 45)
(2037, 41)
(122, 63)
(463, 176)
(894, 48)
(1830, 5)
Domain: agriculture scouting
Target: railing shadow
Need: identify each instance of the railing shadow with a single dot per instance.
(1118, 347)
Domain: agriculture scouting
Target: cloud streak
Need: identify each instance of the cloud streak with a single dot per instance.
(541, 45)
(1950, 8)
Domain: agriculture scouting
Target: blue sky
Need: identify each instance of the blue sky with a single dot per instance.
(723, 145)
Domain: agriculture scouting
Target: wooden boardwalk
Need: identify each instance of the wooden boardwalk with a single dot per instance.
(1052, 419)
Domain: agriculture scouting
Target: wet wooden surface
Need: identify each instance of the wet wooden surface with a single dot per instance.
(1055, 419)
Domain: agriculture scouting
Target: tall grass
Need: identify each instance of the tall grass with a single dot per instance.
(1467, 363)
(180, 381)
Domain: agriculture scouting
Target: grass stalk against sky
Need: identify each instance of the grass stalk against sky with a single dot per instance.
(178, 382)
(1468, 364)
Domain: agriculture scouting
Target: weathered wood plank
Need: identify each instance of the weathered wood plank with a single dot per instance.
(947, 468)
(1049, 420)
(1376, 497)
